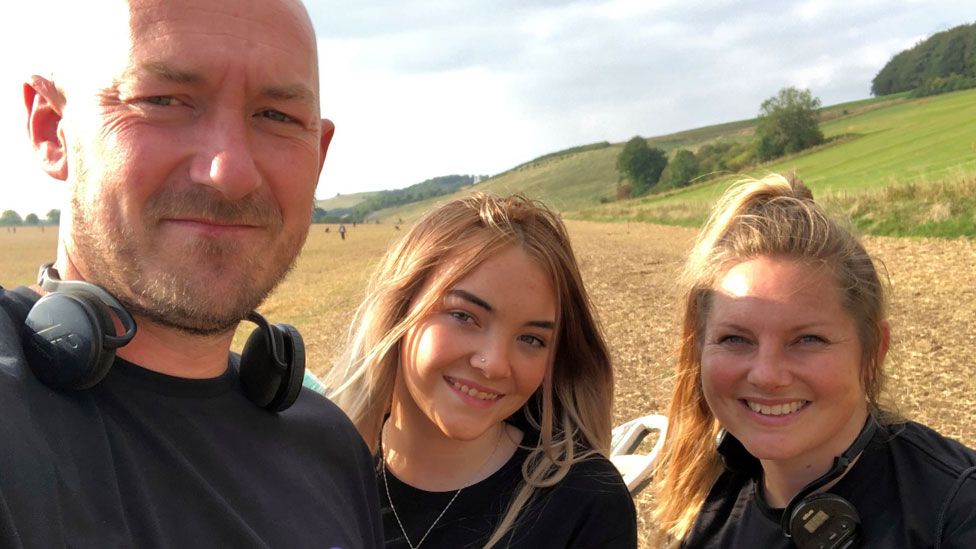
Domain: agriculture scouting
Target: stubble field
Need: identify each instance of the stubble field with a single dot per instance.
(630, 269)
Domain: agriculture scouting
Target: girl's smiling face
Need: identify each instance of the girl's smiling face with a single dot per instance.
(781, 360)
(483, 350)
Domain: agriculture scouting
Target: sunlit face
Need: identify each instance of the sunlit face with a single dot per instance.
(780, 362)
(503, 312)
(194, 159)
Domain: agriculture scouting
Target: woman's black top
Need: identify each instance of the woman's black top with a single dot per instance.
(589, 508)
(910, 487)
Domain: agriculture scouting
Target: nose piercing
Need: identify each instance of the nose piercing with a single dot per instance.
(482, 359)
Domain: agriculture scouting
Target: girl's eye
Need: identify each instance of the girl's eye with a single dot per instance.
(533, 340)
(461, 316)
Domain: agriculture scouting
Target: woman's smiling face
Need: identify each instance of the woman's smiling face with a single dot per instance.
(781, 360)
(483, 350)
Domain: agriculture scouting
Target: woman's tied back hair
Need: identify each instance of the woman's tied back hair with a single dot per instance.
(775, 217)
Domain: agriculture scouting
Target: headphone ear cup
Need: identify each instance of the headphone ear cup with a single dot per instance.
(294, 347)
(824, 520)
(266, 383)
(65, 342)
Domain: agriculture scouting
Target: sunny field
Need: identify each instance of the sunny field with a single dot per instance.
(629, 270)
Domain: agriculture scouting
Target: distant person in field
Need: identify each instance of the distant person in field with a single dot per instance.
(342, 231)
(189, 135)
(777, 437)
(479, 378)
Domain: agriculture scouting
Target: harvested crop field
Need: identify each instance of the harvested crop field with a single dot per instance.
(630, 269)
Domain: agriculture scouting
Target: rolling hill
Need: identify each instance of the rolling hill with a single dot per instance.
(874, 144)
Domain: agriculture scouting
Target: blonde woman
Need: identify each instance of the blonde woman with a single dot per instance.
(777, 438)
(478, 376)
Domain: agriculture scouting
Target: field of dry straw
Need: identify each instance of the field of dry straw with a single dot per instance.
(630, 270)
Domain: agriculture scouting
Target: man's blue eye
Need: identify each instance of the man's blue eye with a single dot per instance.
(277, 116)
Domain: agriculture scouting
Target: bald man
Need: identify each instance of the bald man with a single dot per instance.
(190, 136)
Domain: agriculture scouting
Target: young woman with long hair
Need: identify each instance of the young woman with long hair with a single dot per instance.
(776, 435)
(478, 375)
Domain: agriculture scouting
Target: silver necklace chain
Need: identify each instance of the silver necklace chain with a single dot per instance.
(396, 515)
(400, 522)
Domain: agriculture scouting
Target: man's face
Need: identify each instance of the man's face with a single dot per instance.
(193, 161)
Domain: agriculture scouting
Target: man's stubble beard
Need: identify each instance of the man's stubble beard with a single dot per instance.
(179, 294)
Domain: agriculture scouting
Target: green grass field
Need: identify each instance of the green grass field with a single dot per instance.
(924, 148)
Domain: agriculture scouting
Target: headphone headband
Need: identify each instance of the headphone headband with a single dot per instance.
(840, 465)
(49, 279)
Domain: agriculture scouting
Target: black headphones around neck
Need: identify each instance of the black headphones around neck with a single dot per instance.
(824, 520)
(70, 343)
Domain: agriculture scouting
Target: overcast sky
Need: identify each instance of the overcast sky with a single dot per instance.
(419, 89)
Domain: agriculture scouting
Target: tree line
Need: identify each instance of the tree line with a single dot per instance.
(788, 123)
(430, 188)
(944, 62)
(10, 218)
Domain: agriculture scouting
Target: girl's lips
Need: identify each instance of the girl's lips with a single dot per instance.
(471, 391)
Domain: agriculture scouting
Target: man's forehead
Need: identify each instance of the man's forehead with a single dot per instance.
(134, 33)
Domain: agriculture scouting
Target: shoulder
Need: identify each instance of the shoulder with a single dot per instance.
(946, 469)
(928, 450)
(319, 415)
(13, 309)
(594, 485)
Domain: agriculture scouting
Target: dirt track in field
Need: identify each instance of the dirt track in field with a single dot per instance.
(630, 271)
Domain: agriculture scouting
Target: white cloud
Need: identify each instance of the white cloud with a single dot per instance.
(421, 88)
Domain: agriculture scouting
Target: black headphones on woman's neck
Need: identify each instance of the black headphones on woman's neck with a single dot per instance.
(824, 520)
(70, 341)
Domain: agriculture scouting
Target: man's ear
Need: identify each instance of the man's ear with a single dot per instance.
(45, 106)
(328, 130)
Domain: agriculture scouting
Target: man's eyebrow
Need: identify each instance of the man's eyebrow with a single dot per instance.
(169, 73)
(294, 92)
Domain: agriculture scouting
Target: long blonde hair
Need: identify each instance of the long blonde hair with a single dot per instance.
(774, 216)
(572, 408)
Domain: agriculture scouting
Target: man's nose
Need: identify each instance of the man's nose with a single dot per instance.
(225, 159)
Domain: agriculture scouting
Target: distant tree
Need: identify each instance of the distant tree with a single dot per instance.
(641, 164)
(681, 169)
(939, 56)
(318, 215)
(788, 123)
(10, 217)
(31, 219)
(54, 217)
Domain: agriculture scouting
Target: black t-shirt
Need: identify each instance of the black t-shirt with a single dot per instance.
(589, 508)
(148, 460)
(909, 483)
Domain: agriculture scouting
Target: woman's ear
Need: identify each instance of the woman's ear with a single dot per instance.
(45, 106)
(885, 341)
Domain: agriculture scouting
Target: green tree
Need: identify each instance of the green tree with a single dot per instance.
(788, 123)
(10, 217)
(31, 219)
(54, 217)
(641, 164)
(681, 169)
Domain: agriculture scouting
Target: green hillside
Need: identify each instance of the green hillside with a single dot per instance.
(342, 201)
(873, 144)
